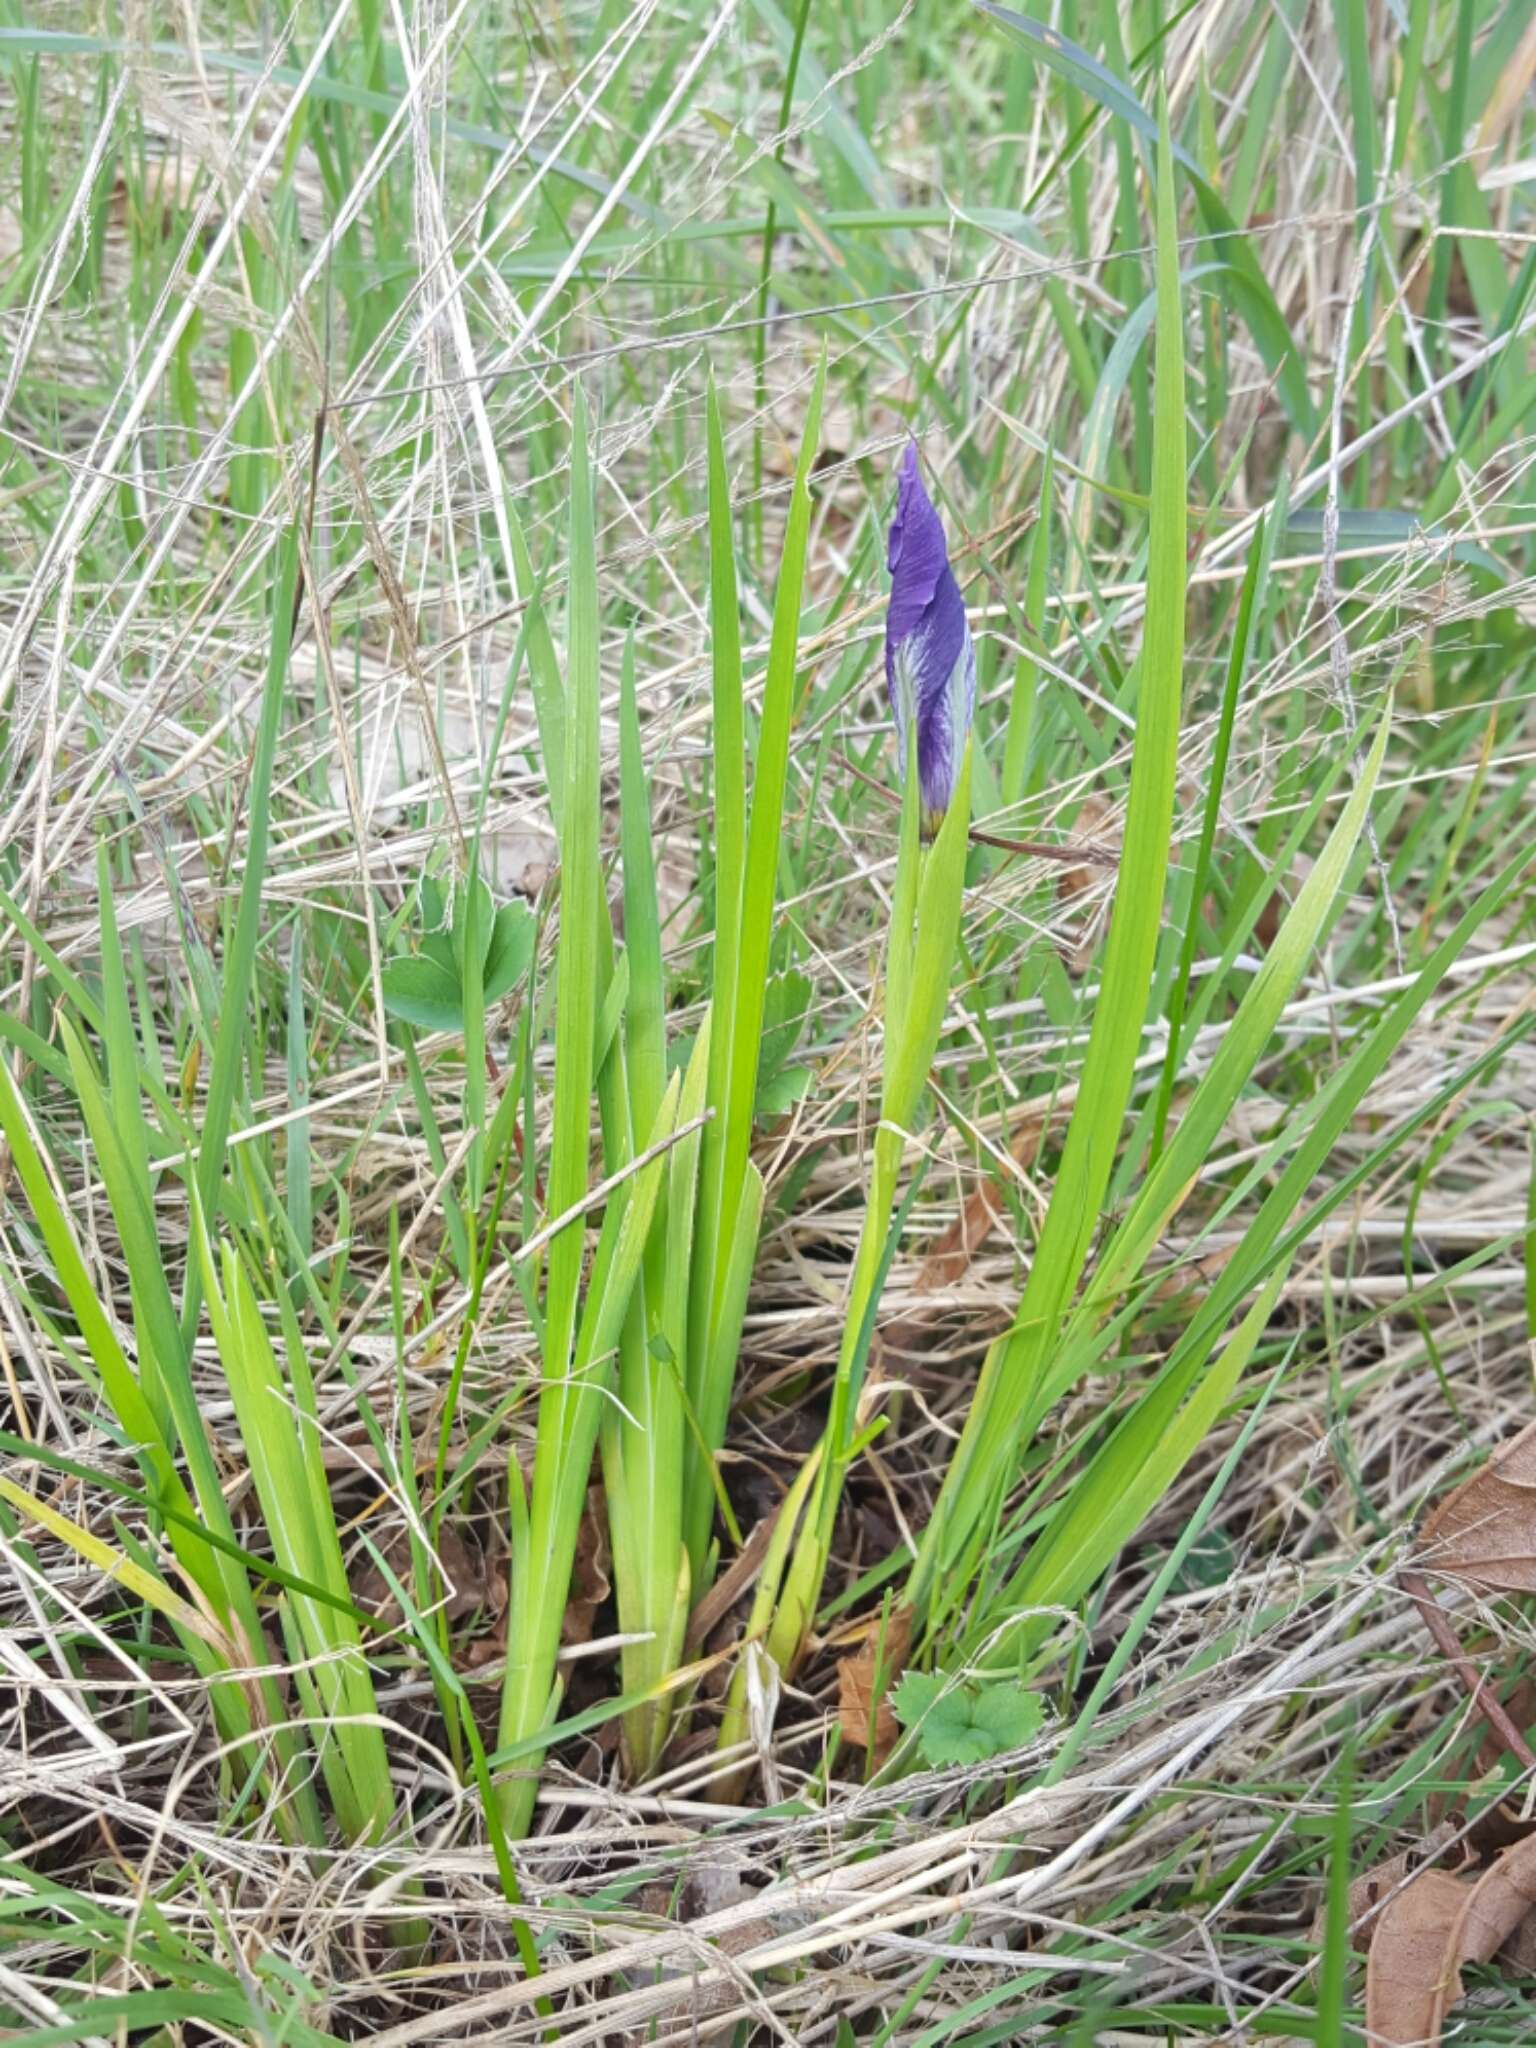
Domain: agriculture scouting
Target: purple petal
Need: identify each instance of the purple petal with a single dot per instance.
(930, 664)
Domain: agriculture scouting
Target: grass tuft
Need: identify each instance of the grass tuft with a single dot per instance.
(631, 1404)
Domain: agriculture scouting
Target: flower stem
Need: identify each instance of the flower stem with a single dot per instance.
(808, 1567)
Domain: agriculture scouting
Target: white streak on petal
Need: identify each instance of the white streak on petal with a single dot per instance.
(908, 669)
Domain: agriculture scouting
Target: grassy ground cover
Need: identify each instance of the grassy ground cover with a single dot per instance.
(650, 1388)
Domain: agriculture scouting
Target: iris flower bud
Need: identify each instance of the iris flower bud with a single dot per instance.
(930, 663)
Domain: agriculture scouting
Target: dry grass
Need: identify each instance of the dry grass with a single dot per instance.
(1171, 1876)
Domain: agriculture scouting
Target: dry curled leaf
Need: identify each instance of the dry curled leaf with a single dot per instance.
(1485, 1532)
(1092, 822)
(1370, 1892)
(715, 1885)
(589, 1576)
(864, 1682)
(1502, 1899)
(740, 1574)
(1428, 1932)
(1507, 1820)
(462, 1568)
(1405, 1970)
(949, 1258)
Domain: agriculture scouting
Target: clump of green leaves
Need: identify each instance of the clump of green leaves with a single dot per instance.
(965, 1724)
(426, 985)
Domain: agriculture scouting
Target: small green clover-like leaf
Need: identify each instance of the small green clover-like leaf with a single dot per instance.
(429, 894)
(1009, 1713)
(510, 950)
(949, 1736)
(784, 1006)
(916, 1694)
(778, 1093)
(422, 992)
(962, 1724)
(426, 988)
(1211, 1562)
(472, 902)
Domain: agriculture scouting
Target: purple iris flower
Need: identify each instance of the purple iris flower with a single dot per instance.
(930, 664)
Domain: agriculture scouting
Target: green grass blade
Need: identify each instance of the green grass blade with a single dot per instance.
(1256, 301)
(644, 1013)
(240, 962)
(1243, 1044)
(299, 1190)
(1014, 1368)
(1259, 555)
(759, 879)
(1021, 705)
(580, 907)
(282, 1449)
(742, 958)
(1143, 1457)
(571, 1406)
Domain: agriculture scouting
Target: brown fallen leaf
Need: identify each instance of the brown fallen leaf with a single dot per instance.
(1419, 274)
(713, 1885)
(864, 1682)
(1369, 1892)
(1485, 1532)
(589, 1575)
(1521, 1709)
(589, 1589)
(1408, 1959)
(1501, 1900)
(1091, 823)
(462, 1568)
(1499, 1825)
(1429, 1931)
(740, 1574)
(490, 1647)
(1482, 1695)
(950, 1258)
(1518, 1955)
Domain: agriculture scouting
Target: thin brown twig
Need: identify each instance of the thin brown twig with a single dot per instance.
(1479, 1692)
(1082, 852)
